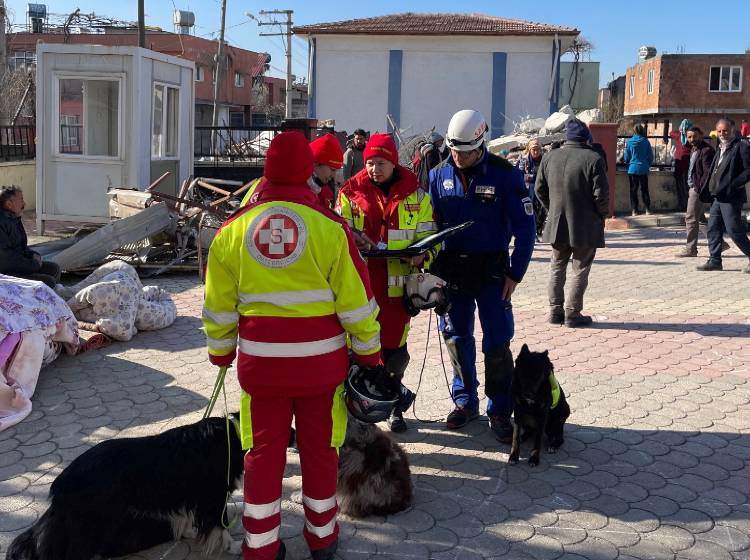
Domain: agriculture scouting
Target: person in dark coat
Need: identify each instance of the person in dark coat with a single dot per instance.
(699, 167)
(724, 189)
(16, 259)
(572, 185)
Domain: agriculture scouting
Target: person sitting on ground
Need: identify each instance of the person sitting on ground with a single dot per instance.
(16, 259)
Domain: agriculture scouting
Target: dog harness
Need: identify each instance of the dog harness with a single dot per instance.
(555, 389)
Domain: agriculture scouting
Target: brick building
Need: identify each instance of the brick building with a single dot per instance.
(241, 67)
(662, 90)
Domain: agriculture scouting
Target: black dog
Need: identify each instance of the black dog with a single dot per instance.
(539, 404)
(129, 494)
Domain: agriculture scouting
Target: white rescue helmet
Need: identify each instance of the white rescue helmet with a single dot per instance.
(466, 130)
(423, 290)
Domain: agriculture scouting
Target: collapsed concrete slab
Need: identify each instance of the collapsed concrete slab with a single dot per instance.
(530, 126)
(590, 116)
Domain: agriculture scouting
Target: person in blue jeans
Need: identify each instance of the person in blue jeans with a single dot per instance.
(473, 184)
(639, 155)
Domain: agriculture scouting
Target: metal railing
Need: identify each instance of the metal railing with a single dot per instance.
(17, 142)
(658, 143)
(247, 144)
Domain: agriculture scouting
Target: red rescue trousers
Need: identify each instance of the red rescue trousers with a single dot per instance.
(320, 421)
(393, 318)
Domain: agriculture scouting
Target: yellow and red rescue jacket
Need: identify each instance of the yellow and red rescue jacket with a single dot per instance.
(285, 283)
(324, 195)
(398, 220)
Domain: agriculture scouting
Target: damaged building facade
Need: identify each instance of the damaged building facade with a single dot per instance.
(657, 93)
(419, 69)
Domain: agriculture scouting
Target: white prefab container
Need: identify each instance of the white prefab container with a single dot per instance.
(108, 117)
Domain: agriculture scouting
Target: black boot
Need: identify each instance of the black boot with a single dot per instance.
(396, 422)
(326, 553)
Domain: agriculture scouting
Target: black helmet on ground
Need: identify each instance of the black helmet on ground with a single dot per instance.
(370, 393)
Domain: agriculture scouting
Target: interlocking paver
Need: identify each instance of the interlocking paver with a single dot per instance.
(655, 463)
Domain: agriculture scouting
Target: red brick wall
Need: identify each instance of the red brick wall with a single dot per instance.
(199, 50)
(641, 101)
(684, 83)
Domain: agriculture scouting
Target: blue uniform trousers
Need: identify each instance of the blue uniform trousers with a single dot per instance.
(496, 319)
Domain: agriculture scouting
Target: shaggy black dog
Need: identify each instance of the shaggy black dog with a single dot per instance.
(539, 404)
(129, 494)
(374, 475)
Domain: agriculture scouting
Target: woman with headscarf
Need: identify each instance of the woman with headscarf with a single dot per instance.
(529, 165)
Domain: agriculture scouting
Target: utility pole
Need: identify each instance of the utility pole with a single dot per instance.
(288, 35)
(3, 54)
(217, 76)
(141, 25)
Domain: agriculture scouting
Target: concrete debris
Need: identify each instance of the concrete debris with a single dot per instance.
(154, 230)
(95, 247)
(590, 116)
(508, 143)
(530, 126)
(557, 121)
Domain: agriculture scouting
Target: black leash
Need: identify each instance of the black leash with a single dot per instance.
(421, 371)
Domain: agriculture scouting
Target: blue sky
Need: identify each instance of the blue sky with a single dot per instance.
(616, 28)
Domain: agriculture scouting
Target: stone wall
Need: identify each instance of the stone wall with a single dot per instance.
(23, 174)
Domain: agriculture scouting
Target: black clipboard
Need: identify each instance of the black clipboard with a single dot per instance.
(418, 248)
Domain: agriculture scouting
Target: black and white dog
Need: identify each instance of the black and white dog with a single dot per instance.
(125, 495)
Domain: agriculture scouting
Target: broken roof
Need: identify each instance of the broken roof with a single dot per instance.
(435, 24)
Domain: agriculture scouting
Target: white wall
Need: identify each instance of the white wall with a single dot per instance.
(440, 75)
(528, 79)
(429, 99)
(352, 86)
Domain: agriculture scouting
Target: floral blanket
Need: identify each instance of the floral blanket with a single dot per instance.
(113, 298)
(35, 326)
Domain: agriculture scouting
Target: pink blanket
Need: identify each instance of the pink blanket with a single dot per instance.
(35, 325)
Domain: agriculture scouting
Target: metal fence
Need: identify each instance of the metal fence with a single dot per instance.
(663, 148)
(246, 144)
(17, 142)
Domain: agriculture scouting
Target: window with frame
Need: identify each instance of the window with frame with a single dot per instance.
(21, 60)
(632, 86)
(199, 74)
(650, 82)
(239, 80)
(725, 78)
(165, 121)
(89, 116)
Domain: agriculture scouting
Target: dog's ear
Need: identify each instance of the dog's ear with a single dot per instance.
(524, 349)
(546, 353)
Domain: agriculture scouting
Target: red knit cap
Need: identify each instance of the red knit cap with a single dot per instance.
(381, 145)
(289, 159)
(327, 151)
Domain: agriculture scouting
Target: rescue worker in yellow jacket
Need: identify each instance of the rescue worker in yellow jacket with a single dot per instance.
(285, 284)
(384, 206)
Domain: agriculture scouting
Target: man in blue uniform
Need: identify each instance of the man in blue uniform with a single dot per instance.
(475, 185)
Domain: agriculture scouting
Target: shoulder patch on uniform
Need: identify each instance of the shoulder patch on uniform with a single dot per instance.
(528, 207)
(276, 237)
(448, 184)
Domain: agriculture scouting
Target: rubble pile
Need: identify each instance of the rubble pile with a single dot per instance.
(546, 130)
(153, 230)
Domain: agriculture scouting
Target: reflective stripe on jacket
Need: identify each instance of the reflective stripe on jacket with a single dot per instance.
(285, 283)
(398, 220)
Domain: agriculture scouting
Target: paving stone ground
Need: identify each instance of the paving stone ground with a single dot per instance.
(656, 462)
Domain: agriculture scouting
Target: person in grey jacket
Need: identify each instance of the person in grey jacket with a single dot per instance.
(16, 259)
(353, 160)
(572, 185)
(639, 155)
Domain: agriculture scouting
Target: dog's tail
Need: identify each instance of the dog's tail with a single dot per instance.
(23, 546)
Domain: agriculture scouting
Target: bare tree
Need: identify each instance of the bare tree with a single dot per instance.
(261, 102)
(580, 46)
(15, 100)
